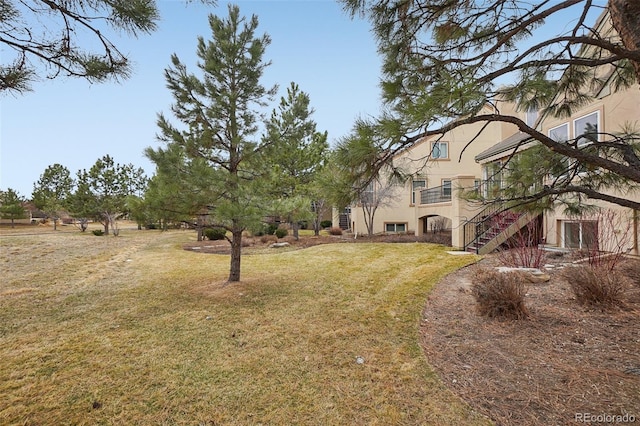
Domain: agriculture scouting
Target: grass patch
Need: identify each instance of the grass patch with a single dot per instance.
(135, 330)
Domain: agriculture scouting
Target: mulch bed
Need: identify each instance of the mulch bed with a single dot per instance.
(565, 364)
(258, 245)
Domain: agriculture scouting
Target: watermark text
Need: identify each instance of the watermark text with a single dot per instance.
(604, 418)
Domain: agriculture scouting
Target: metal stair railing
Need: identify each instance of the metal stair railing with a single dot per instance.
(477, 225)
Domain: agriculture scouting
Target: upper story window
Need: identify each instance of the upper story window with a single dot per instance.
(446, 187)
(368, 194)
(439, 150)
(585, 129)
(560, 133)
(417, 184)
(531, 117)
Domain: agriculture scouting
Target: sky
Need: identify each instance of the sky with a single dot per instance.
(72, 122)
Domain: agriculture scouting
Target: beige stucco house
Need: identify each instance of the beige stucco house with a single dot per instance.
(440, 166)
(609, 113)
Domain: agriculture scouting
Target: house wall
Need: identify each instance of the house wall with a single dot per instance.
(416, 161)
(616, 110)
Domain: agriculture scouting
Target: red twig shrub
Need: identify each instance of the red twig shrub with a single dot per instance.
(608, 239)
(522, 250)
(596, 285)
(499, 294)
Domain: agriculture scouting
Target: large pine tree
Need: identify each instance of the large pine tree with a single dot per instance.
(219, 111)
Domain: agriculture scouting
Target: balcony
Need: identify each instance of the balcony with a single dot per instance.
(439, 194)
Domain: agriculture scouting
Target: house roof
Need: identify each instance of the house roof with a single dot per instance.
(510, 143)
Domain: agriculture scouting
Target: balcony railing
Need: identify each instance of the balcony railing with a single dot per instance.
(439, 194)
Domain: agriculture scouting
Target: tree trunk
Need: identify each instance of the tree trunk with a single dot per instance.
(295, 228)
(316, 226)
(625, 17)
(199, 227)
(236, 251)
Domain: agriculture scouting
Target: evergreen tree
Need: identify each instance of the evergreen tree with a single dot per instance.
(219, 113)
(69, 37)
(178, 190)
(101, 193)
(11, 206)
(296, 151)
(51, 192)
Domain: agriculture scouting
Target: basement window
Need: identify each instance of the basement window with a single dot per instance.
(395, 227)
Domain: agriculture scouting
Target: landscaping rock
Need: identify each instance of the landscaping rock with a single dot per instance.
(279, 245)
(533, 275)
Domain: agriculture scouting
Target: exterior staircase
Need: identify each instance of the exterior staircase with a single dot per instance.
(492, 227)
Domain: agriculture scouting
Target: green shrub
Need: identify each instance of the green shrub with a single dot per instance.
(215, 233)
(98, 232)
(326, 224)
(271, 228)
(596, 286)
(335, 231)
(281, 232)
(499, 294)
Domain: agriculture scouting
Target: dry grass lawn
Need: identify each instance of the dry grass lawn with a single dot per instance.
(136, 330)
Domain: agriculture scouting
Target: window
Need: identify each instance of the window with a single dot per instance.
(395, 227)
(417, 184)
(439, 150)
(446, 188)
(531, 117)
(580, 234)
(585, 129)
(560, 133)
(368, 193)
(492, 177)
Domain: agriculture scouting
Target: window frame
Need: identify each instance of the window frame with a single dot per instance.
(531, 117)
(551, 130)
(582, 243)
(577, 137)
(414, 188)
(395, 225)
(446, 187)
(439, 156)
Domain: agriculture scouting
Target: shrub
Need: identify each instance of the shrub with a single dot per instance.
(281, 232)
(215, 233)
(335, 231)
(499, 294)
(326, 224)
(98, 232)
(271, 228)
(522, 249)
(596, 285)
(264, 239)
